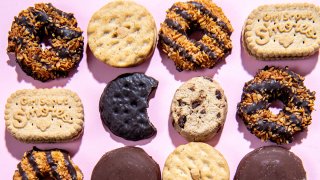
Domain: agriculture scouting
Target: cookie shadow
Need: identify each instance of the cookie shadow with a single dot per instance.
(256, 142)
(178, 140)
(186, 75)
(104, 73)
(22, 76)
(17, 148)
(302, 66)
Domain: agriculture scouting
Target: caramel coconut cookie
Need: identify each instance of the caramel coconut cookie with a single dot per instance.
(282, 31)
(184, 19)
(44, 115)
(39, 164)
(122, 34)
(199, 109)
(195, 161)
(270, 84)
(45, 23)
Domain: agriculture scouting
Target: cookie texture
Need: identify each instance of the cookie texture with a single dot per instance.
(45, 24)
(44, 115)
(123, 106)
(195, 161)
(183, 20)
(282, 31)
(271, 84)
(270, 162)
(122, 34)
(39, 164)
(126, 163)
(199, 109)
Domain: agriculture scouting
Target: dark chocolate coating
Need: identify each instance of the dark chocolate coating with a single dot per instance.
(126, 163)
(123, 106)
(270, 162)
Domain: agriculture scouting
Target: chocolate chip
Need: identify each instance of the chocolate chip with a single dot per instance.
(192, 88)
(66, 33)
(41, 16)
(218, 94)
(262, 125)
(203, 111)
(181, 121)
(196, 103)
(218, 115)
(181, 102)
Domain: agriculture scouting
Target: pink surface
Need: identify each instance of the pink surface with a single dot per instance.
(92, 76)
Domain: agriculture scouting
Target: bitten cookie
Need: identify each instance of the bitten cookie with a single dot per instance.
(183, 20)
(123, 106)
(195, 161)
(270, 162)
(268, 85)
(44, 115)
(29, 31)
(122, 34)
(282, 31)
(39, 164)
(126, 163)
(199, 108)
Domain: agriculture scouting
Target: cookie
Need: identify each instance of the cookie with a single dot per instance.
(182, 22)
(282, 31)
(195, 161)
(126, 163)
(122, 34)
(123, 106)
(39, 164)
(29, 32)
(199, 109)
(271, 84)
(270, 162)
(44, 115)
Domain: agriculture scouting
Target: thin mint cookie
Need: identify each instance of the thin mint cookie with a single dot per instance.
(199, 108)
(123, 106)
(196, 161)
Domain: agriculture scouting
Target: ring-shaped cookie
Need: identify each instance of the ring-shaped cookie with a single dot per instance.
(270, 84)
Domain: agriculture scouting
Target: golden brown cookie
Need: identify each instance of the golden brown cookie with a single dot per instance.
(282, 31)
(195, 161)
(122, 34)
(44, 115)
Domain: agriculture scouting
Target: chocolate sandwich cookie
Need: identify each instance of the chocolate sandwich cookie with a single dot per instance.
(46, 24)
(183, 20)
(271, 84)
(270, 162)
(126, 163)
(123, 106)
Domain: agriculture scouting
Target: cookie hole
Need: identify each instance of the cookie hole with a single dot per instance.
(303, 42)
(258, 20)
(276, 106)
(274, 40)
(45, 43)
(196, 35)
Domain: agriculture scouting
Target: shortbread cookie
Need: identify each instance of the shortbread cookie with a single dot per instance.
(195, 161)
(39, 164)
(126, 163)
(282, 31)
(123, 106)
(44, 115)
(183, 19)
(122, 34)
(270, 162)
(199, 108)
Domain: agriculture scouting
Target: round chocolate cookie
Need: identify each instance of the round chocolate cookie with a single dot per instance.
(199, 109)
(270, 162)
(45, 24)
(126, 163)
(271, 84)
(123, 106)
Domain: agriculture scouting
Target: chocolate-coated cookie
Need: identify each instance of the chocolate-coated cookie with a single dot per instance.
(270, 162)
(126, 163)
(123, 106)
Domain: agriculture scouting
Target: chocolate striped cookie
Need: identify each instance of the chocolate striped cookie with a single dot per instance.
(184, 22)
(47, 164)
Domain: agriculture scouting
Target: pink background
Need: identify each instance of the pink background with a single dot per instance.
(92, 76)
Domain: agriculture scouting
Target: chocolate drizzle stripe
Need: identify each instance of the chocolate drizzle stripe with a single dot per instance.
(207, 50)
(254, 107)
(70, 167)
(33, 164)
(205, 11)
(52, 165)
(182, 52)
(22, 172)
(174, 25)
